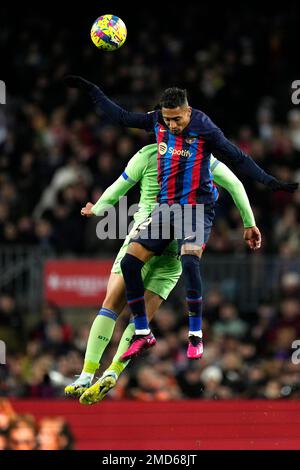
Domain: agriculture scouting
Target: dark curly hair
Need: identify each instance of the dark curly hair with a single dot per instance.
(173, 97)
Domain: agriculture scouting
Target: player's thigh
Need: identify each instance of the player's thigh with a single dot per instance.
(115, 298)
(197, 230)
(153, 234)
(161, 274)
(139, 251)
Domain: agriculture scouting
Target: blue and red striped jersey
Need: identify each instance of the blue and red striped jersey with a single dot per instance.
(183, 163)
(183, 160)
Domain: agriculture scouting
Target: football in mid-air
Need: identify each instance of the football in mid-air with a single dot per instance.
(108, 32)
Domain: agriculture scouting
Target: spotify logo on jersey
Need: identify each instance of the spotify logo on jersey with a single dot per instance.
(162, 148)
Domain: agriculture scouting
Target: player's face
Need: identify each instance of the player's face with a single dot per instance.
(177, 118)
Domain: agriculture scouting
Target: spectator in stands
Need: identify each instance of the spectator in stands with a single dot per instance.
(22, 433)
(3, 440)
(54, 434)
(229, 322)
(11, 321)
(55, 152)
(54, 333)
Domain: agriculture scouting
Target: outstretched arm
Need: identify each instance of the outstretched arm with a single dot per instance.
(231, 154)
(130, 176)
(111, 195)
(226, 178)
(115, 112)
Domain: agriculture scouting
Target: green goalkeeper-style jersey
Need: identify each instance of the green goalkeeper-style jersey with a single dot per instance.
(142, 168)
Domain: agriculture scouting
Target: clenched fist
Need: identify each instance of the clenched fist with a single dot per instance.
(87, 210)
(252, 237)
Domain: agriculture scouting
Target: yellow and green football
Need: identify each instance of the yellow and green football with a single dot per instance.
(108, 32)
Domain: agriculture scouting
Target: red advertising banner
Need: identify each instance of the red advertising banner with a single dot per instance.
(171, 425)
(76, 283)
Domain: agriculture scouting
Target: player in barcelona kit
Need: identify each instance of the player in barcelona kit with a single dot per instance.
(160, 274)
(186, 137)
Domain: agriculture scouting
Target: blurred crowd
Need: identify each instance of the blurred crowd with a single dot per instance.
(24, 432)
(245, 356)
(56, 154)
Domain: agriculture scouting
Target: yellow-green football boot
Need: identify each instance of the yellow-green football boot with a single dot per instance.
(99, 390)
(78, 387)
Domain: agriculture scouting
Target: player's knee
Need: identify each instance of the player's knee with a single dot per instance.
(130, 265)
(114, 301)
(191, 274)
(191, 250)
(139, 251)
(190, 262)
(125, 264)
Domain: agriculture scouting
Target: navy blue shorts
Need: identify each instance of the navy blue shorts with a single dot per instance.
(186, 224)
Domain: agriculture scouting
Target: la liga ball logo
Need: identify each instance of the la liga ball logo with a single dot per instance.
(108, 32)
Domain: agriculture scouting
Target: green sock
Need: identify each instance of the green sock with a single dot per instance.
(99, 337)
(118, 366)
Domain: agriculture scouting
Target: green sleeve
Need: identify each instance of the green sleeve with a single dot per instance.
(130, 176)
(138, 163)
(223, 176)
(111, 195)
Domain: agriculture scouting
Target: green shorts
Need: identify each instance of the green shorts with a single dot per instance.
(160, 274)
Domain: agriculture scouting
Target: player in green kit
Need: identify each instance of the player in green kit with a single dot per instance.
(160, 274)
